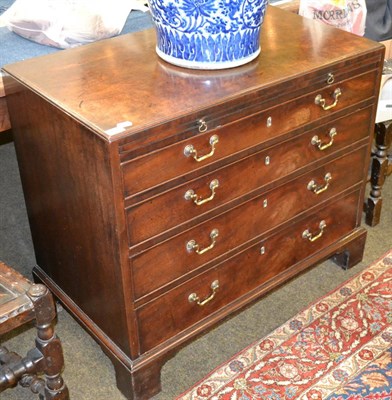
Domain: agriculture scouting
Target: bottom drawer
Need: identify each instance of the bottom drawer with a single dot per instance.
(177, 309)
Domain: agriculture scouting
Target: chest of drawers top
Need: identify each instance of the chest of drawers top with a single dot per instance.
(123, 80)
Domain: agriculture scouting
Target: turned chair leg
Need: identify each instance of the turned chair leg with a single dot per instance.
(379, 170)
(46, 358)
(47, 343)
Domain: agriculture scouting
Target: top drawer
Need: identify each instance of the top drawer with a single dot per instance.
(197, 153)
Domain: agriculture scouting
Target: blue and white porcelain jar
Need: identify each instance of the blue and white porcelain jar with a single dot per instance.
(208, 34)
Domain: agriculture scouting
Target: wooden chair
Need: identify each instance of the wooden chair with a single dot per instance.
(40, 370)
(381, 167)
(381, 164)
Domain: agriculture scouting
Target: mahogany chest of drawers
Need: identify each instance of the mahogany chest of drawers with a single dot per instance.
(162, 200)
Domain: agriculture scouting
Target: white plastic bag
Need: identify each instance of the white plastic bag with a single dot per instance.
(349, 15)
(68, 23)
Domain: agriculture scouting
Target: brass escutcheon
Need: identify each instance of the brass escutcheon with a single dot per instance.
(202, 125)
(330, 79)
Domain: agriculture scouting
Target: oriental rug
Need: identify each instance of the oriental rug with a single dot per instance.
(340, 348)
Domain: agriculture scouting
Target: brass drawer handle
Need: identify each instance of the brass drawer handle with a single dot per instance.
(322, 146)
(312, 185)
(191, 151)
(194, 298)
(321, 102)
(307, 235)
(191, 195)
(193, 246)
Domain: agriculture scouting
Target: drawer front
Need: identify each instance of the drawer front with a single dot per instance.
(170, 162)
(178, 205)
(171, 313)
(175, 257)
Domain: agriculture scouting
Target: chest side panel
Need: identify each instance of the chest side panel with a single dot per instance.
(67, 178)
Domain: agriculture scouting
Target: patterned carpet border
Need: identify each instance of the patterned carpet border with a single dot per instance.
(339, 348)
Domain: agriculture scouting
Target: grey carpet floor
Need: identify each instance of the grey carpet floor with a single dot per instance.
(89, 373)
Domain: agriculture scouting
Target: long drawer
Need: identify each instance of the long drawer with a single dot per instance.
(175, 256)
(210, 191)
(177, 309)
(173, 161)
